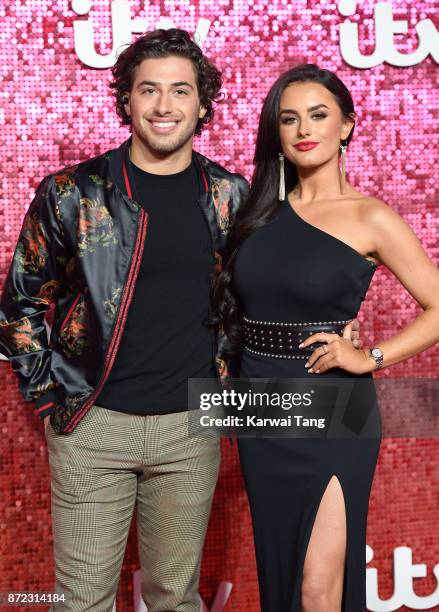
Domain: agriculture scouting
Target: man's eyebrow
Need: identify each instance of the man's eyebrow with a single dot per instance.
(180, 83)
(155, 84)
(310, 109)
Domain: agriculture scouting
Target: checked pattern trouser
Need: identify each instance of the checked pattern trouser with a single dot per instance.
(110, 462)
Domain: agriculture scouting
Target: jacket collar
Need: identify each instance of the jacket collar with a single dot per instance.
(119, 158)
(116, 157)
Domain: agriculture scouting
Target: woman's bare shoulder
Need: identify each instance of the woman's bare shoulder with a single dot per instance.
(373, 211)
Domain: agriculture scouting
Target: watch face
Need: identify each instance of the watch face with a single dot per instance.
(377, 353)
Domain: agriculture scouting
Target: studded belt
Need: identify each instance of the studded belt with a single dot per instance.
(281, 340)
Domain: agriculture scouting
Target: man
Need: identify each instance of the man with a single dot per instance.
(125, 245)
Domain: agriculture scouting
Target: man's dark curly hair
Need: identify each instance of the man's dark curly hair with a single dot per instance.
(165, 43)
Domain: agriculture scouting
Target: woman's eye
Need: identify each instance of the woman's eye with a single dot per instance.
(319, 116)
(289, 120)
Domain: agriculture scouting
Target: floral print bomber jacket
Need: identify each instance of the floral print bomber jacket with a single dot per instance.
(76, 264)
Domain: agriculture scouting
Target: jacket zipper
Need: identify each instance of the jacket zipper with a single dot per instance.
(127, 296)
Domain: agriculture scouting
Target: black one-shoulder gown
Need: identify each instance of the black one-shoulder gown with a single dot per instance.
(291, 271)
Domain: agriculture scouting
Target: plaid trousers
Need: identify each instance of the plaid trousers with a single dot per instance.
(110, 462)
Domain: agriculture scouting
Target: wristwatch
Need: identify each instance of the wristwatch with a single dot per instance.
(377, 355)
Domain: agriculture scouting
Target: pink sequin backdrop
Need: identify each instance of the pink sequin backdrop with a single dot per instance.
(56, 111)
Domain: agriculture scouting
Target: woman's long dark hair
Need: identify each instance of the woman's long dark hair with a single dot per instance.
(263, 203)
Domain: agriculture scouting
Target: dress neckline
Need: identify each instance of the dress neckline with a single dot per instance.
(365, 259)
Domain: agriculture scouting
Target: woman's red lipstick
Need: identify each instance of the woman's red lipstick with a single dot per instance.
(306, 145)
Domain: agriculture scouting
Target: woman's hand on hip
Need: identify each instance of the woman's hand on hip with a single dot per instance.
(337, 352)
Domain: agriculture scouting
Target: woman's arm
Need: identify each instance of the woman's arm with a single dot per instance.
(397, 247)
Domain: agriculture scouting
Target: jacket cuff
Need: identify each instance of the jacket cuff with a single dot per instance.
(45, 404)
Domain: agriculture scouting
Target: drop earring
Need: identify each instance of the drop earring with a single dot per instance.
(281, 177)
(343, 149)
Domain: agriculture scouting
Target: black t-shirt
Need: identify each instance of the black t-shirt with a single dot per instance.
(166, 339)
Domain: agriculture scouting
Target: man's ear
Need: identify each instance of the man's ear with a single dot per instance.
(202, 112)
(126, 103)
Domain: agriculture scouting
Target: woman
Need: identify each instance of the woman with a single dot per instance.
(303, 251)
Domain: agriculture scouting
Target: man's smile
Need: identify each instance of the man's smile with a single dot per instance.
(163, 127)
